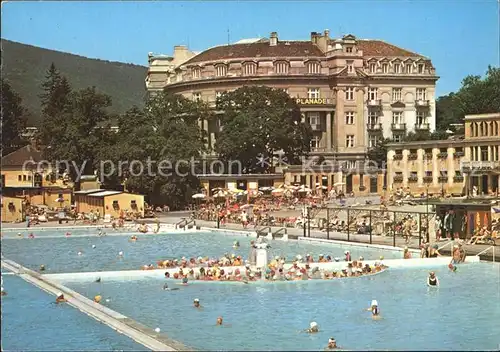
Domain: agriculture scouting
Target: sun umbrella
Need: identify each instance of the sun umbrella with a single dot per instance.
(339, 184)
(198, 196)
(278, 190)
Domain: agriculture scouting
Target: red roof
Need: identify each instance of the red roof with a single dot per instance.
(259, 49)
(380, 48)
(285, 49)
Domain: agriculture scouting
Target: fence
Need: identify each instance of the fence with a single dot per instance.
(361, 224)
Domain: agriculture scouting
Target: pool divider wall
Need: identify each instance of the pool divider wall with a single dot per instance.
(160, 273)
(349, 245)
(122, 324)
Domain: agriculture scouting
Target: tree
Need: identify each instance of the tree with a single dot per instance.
(447, 112)
(378, 154)
(13, 119)
(258, 122)
(425, 136)
(167, 137)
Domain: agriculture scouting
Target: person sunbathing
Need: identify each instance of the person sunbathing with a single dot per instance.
(482, 235)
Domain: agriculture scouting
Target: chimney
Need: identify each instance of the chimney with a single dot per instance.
(326, 34)
(273, 39)
(314, 37)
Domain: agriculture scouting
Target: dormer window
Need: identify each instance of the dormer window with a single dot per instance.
(281, 67)
(350, 66)
(373, 67)
(397, 67)
(221, 70)
(408, 68)
(196, 73)
(313, 67)
(249, 69)
(348, 49)
(385, 68)
(421, 68)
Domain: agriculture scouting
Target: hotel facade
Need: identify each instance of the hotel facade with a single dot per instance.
(352, 92)
(469, 165)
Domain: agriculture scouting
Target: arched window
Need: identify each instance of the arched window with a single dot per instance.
(221, 70)
(313, 67)
(249, 69)
(196, 73)
(281, 67)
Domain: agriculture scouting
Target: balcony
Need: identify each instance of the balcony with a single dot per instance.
(412, 156)
(427, 179)
(374, 127)
(443, 178)
(422, 103)
(422, 126)
(397, 157)
(468, 166)
(374, 102)
(457, 155)
(398, 126)
(413, 178)
(458, 179)
(443, 155)
(398, 178)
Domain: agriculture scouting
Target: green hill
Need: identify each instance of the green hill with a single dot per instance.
(25, 67)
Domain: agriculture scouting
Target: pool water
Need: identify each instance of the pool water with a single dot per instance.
(60, 254)
(462, 314)
(31, 322)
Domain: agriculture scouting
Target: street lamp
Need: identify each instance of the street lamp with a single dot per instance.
(426, 185)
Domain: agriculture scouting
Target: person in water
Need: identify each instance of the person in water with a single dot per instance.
(42, 267)
(219, 321)
(97, 299)
(60, 298)
(374, 309)
(432, 280)
(332, 344)
(4, 293)
(98, 279)
(236, 244)
(313, 328)
(196, 303)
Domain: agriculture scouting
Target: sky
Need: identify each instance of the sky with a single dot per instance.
(461, 37)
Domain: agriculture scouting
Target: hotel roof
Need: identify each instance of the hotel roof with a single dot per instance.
(88, 191)
(105, 193)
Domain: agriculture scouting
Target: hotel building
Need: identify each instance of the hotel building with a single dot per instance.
(351, 91)
(466, 166)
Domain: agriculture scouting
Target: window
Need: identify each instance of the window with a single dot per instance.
(19, 177)
(421, 68)
(29, 177)
(349, 141)
(349, 164)
(196, 72)
(313, 93)
(220, 70)
(408, 68)
(313, 67)
(396, 94)
(397, 137)
(397, 117)
(281, 67)
(372, 93)
(373, 67)
(348, 49)
(349, 93)
(421, 118)
(196, 96)
(397, 67)
(249, 69)
(421, 94)
(313, 118)
(315, 142)
(385, 68)
(373, 140)
(350, 66)
(372, 117)
(349, 118)
(24, 177)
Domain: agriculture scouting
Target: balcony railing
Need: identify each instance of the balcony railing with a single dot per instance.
(458, 179)
(422, 126)
(422, 102)
(398, 126)
(397, 157)
(427, 179)
(374, 127)
(443, 178)
(480, 165)
(413, 178)
(412, 156)
(374, 102)
(443, 155)
(428, 156)
(398, 178)
(458, 154)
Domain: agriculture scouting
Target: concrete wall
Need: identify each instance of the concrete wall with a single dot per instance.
(12, 209)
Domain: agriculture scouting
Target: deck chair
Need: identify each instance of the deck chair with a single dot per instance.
(107, 219)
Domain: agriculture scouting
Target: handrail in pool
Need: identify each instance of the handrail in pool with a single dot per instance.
(486, 250)
(446, 245)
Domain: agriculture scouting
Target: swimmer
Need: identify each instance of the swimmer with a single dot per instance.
(67, 234)
(93, 246)
(97, 299)
(31, 235)
(100, 233)
(19, 234)
(120, 254)
(236, 244)
(313, 328)
(406, 253)
(196, 303)
(80, 253)
(332, 344)
(4, 293)
(184, 281)
(42, 267)
(166, 288)
(432, 280)
(98, 279)
(133, 238)
(219, 321)
(374, 309)
(347, 256)
(60, 298)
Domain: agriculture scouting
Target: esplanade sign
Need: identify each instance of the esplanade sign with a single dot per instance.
(312, 101)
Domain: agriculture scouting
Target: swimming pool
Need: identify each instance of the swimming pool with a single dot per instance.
(462, 314)
(31, 322)
(60, 254)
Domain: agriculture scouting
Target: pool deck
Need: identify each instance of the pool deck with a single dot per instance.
(134, 330)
